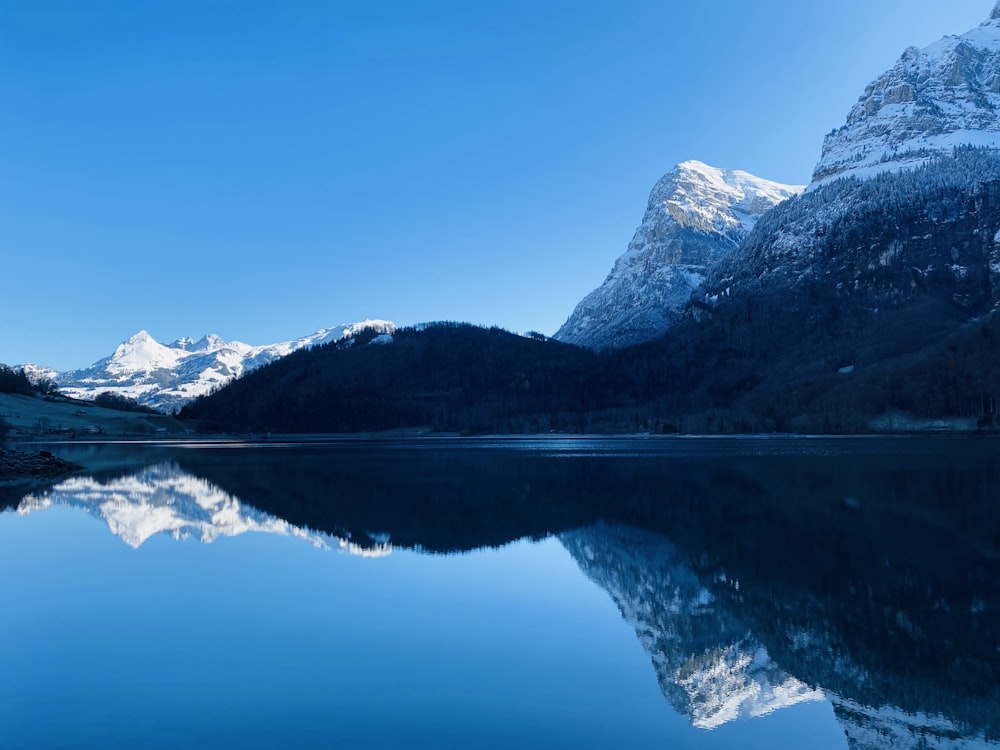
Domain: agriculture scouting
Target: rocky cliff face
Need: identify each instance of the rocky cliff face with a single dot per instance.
(932, 100)
(696, 215)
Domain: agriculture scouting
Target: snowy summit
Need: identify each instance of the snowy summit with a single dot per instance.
(166, 376)
(931, 101)
(696, 215)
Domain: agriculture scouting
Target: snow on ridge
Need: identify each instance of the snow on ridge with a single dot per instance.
(168, 376)
(696, 215)
(933, 100)
(738, 684)
(714, 199)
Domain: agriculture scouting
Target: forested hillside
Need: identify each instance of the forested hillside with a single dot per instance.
(452, 377)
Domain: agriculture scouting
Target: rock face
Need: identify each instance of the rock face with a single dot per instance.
(166, 376)
(696, 215)
(932, 100)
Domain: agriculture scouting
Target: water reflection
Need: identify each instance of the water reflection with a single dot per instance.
(757, 575)
(709, 665)
(163, 499)
(702, 639)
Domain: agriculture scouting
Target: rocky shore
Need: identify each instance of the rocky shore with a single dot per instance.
(17, 465)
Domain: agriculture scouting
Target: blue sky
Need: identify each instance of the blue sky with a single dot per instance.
(264, 169)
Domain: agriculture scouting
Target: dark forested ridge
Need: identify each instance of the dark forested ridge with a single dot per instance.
(450, 376)
(858, 299)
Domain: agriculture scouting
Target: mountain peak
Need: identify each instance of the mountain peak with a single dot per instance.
(139, 338)
(696, 215)
(932, 101)
(693, 165)
(167, 377)
(209, 342)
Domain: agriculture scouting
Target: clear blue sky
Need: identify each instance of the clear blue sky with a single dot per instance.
(263, 169)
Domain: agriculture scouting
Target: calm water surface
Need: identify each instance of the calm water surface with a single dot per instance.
(588, 593)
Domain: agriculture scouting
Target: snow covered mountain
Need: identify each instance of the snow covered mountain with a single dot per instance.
(696, 215)
(932, 100)
(164, 499)
(166, 376)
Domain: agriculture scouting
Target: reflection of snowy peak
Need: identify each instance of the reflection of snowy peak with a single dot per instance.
(163, 499)
(889, 728)
(168, 376)
(708, 666)
(932, 100)
(696, 215)
(714, 669)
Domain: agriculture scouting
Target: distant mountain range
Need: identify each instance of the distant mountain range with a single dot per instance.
(865, 302)
(166, 376)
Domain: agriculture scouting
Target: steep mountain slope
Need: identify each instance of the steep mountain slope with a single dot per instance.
(841, 282)
(168, 376)
(932, 100)
(696, 215)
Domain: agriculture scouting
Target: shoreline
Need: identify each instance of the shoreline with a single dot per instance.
(23, 466)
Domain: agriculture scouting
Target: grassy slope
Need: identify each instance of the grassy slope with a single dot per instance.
(33, 416)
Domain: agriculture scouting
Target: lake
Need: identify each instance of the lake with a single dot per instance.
(492, 593)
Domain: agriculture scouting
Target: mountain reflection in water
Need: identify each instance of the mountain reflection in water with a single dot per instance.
(163, 499)
(756, 574)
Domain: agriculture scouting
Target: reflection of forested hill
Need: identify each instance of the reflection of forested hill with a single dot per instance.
(437, 500)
